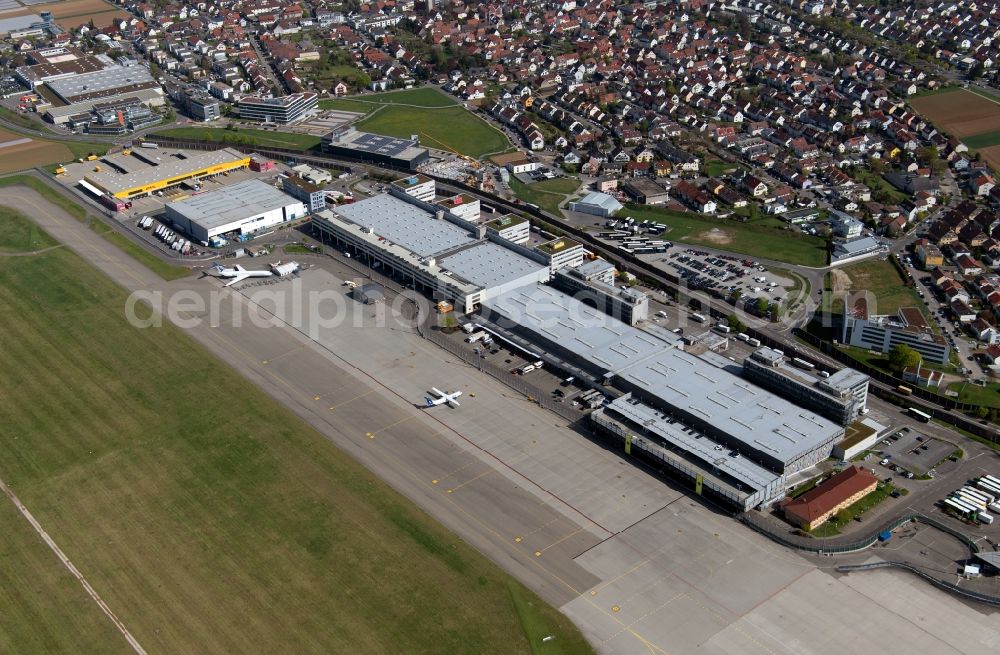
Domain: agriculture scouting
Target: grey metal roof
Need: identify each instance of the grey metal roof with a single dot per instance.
(232, 204)
(406, 225)
(488, 265)
(844, 380)
(694, 443)
(732, 405)
(746, 412)
(590, 333)
(601, 200)
(109, 78)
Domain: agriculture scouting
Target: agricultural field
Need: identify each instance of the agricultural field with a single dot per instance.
(208, 517)
(18, 152)
(971, 115)
(756, 239)
(70, 14)
(444, 128)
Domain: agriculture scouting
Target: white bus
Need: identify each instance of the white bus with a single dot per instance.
(920, 416)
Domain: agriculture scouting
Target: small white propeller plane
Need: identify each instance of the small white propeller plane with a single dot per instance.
(237, 273)
(443, 398)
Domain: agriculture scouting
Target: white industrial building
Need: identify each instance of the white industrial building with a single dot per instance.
(598, 204)
(244, 208)
(420, 187)
(431, 250)
(462, 205)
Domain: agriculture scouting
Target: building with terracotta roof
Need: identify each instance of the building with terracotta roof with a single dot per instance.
(816, 506)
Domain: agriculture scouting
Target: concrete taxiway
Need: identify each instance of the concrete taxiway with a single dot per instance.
(640, 566)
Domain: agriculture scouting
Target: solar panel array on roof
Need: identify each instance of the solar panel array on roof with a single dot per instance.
(383, 145)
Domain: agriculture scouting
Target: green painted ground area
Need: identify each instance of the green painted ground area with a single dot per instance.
(209, 518)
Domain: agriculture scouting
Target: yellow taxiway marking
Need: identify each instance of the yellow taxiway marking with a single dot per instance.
(351, 400)
(395, 423)
(559, 541)
(470, 480)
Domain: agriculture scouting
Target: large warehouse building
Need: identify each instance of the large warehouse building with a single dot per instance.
(693, 414)
(147, 170)
(244, 208)
(365, 147)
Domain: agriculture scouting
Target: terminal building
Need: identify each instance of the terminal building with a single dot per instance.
(243, 208)
(350, 143)
(282, 111)
(693, 415)
(430, 249)
(144, 171)
(840, 397)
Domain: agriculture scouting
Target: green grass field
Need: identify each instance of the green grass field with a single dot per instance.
(420, 97)
(349, 105)
(208, 517)
(17, 234)
(162, 268)
(45, 610)
(244, 136)
(446, 128)
(751, 238)
(23, 120)
(988, 396)
(548, 194)
(884, 282)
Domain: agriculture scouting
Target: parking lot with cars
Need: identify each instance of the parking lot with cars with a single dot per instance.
(913, 454)
(702, 270)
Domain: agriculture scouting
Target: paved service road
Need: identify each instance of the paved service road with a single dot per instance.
(639, 565)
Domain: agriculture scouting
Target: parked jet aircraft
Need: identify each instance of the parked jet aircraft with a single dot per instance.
(237, 273)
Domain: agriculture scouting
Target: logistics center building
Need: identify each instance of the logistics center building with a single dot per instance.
(147, 170)
(246, 207)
